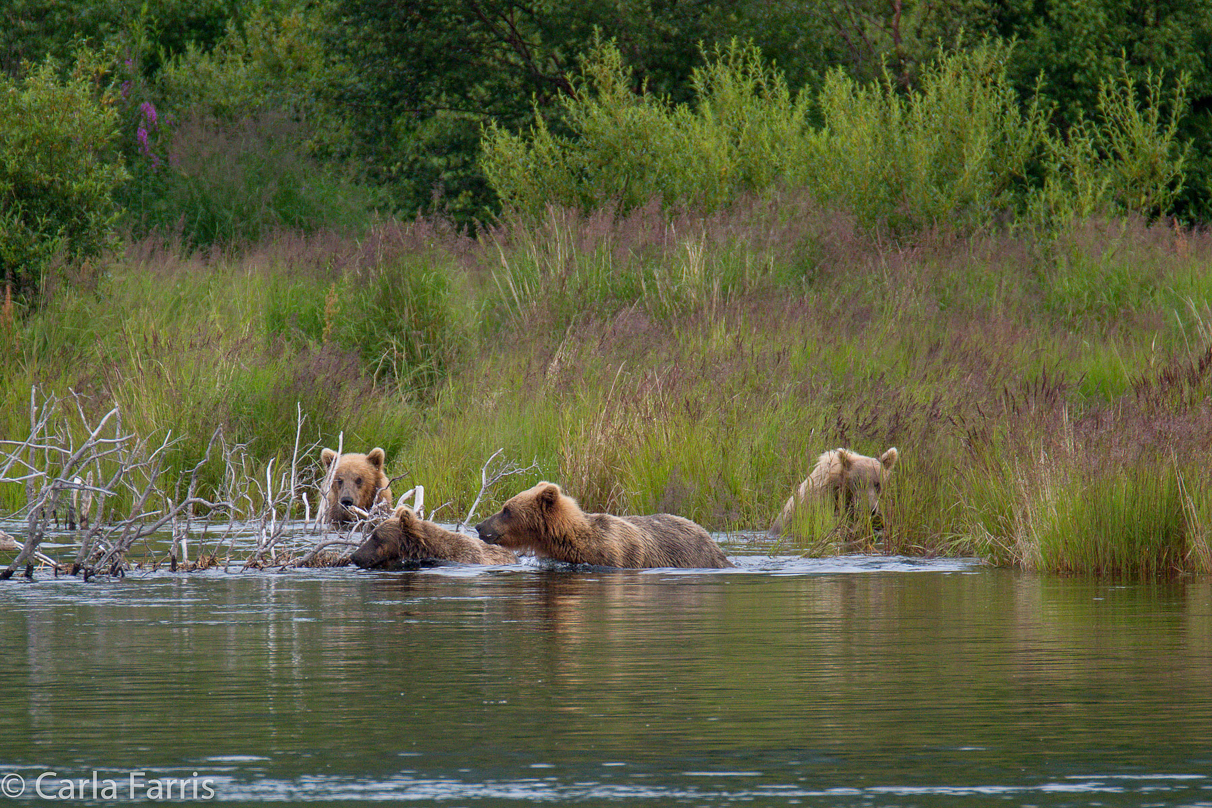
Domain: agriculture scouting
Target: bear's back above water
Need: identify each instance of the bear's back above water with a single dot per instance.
(358, 482)
(405, 537)
(549, 523)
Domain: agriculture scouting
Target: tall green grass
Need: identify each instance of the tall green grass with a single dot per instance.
(1146, 520)
(694, 364)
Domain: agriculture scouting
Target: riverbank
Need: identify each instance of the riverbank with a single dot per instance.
(1048, 396)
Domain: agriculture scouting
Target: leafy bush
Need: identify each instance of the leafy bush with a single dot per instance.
(1127, 159)
(627, 148)
(952, 152)
(252, 144)
(272, 61)
(957, 150)
(59, 171)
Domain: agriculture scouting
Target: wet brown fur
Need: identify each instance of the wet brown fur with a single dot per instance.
(549, 523)
(845, 476)
(404, 538)
(358, 481)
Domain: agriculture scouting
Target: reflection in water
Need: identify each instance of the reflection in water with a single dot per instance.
(848, 681)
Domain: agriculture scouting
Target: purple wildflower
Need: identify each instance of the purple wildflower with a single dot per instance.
(141, 136)
(149, 112)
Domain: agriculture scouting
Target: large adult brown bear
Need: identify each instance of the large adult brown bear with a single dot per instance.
(359, 481)
(406, 538)
(549, 523)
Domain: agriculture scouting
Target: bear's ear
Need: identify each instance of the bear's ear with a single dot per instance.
(376, 458)
(327, 456)
(888, 458)
(845, 459)
(548, 495)
(405, 514)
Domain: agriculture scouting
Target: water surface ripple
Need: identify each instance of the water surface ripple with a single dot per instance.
(861, 680)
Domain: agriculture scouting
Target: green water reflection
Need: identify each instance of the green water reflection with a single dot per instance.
(876, 685)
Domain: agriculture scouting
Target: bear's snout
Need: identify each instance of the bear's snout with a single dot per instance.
(347, 502)
(366, 556)
(373, 553)
(486, 533)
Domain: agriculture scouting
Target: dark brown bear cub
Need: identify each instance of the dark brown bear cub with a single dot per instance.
(358, 482)
(404, 538)
(547, 522)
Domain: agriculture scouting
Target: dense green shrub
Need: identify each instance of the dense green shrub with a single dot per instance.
(59, 171)
(247, 143)
(1128, 157)
(958, 150)
(951, 152)
(1072, 47)
(740, 136)
(273, 61)
(423, 78)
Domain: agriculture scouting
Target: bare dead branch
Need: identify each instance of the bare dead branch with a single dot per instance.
(489, 480)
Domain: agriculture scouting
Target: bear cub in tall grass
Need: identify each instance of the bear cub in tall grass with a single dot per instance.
(406, 539)
(849, 478)
(549, 523)
(358, 482)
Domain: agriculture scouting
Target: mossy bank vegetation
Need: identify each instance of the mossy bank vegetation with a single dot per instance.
(671, 317)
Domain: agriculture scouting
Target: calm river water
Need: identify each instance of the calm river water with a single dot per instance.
(858, 681)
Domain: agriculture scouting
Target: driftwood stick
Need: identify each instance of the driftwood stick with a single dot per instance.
(489, 480)
(326, 484)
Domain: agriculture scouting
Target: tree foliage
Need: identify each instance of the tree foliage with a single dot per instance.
(337, 107)
(59, 171)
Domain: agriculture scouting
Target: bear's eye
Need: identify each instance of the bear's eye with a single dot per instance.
(358, 482)
(336, 481)
(505, 512)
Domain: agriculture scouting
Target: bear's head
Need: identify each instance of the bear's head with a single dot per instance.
(386, 545)
(532, 518)
(864, 478)
(357, 482)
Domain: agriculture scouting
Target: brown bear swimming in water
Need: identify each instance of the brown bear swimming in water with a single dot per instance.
(406, 538)
(358, 482)
(549, 523)
(849, 478)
